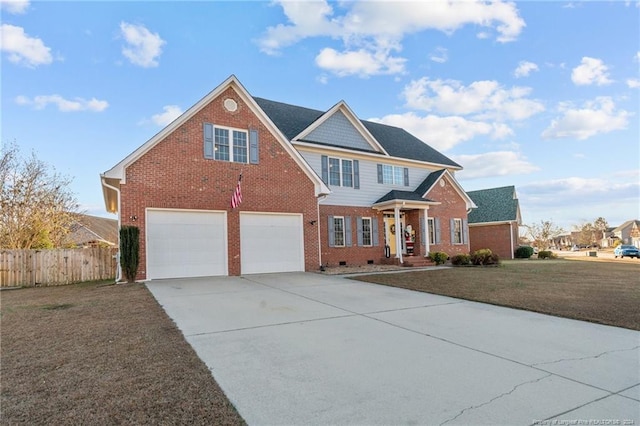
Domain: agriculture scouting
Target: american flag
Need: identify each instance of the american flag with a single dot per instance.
(236, 198)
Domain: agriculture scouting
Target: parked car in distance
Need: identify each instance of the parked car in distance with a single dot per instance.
(626, 250)
(575, 248)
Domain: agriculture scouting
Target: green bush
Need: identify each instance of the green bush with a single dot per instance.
(439, 257)
(484, 257)
(546, 254)
(129, 251)
(524, 252)
(461, 260)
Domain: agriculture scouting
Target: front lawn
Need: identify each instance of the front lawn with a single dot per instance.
(602, 292)
(97, 354)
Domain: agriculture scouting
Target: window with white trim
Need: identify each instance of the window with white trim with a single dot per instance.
(338, 231)
(367, 239)
(340, 172)
(392, 175)
(432, 230)
(230, 144)
(457, 231)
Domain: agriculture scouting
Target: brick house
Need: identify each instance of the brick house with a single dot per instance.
(319, 188)
(495, 223)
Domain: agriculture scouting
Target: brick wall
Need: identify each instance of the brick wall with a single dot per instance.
(494, 237)
(452, 206)
(175, 174)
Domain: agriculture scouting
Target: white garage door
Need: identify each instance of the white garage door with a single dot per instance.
(271, 243)
(186, 243)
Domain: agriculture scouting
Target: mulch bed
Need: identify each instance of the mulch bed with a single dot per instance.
(601, 292)
(101, 354)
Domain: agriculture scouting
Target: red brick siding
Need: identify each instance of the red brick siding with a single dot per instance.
(354, 255)
(452, 206)
(174, 174)
(494, 237)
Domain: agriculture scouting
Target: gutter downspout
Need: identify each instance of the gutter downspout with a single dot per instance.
(511, 237)
(320, 198)
(118, 267)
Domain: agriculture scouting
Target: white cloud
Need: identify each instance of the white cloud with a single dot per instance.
(443, 133)
(597, 116)
(370, 31)
(637, 57)
(143, 47)
(439, 55)
(23, 49)
(14, 6)
(525, 68)
(171, 112)
(490, 164)
(361, 62)
(633, 83)
(64, 105)
(591, 71)
(481, 99)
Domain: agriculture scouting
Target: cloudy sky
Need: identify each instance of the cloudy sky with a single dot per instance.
(540, 95)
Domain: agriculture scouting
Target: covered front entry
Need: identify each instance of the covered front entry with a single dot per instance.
(271, 242)
(390, 229)
(186, 243)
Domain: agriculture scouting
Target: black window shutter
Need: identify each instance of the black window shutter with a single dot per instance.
(253, 147)
(356, 174)
(208, 140)
(325, 169)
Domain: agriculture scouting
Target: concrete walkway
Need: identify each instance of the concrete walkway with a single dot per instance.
(304, 348)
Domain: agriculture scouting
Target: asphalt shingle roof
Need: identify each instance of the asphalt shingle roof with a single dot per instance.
(291, 120)
(429, 181)
(494, 205)
(401, 195)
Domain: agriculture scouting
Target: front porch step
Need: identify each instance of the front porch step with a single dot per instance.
(417, 262)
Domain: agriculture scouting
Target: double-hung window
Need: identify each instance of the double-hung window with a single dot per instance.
(393, 175)
(432, 230)
(366, 232)
(457, 231)
(229, 144)
(338, 231)
(340, 172)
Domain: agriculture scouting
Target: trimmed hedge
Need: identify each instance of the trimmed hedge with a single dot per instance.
(461, 260)
(439, 257)
(546, 254)
(485, 257)
(523, 252)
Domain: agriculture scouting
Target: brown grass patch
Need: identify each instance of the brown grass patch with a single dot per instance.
(602, 292)
(96, 354)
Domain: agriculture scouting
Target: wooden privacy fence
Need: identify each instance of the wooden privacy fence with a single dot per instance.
(57, 266)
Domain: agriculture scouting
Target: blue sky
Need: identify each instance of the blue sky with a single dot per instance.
(540, 95)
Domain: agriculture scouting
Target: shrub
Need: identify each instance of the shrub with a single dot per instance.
(546, 254)
(523, 252)
(484, 257)
(461, 260)
(130, 251)
(439, 257)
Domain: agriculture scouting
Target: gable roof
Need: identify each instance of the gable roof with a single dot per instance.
(402, 195)
(91, 229)
(495, 205)
(117, 174)
(626, 224)
(293, 120)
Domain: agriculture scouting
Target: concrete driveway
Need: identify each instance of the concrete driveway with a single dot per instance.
(305, 348)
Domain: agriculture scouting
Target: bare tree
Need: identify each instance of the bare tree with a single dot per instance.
(37, 206)
(542, 233)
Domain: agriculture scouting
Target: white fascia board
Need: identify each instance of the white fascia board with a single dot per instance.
(504, 222)
(353, 119)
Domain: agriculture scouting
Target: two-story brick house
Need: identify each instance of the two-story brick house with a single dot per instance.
(319, 188)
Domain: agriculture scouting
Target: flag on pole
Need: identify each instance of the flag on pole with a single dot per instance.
(236, 198)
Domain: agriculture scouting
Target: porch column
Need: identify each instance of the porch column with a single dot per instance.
(396, 216)
(426, 231)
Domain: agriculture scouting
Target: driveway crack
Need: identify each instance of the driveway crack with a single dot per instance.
(585, 357)
(473, 407)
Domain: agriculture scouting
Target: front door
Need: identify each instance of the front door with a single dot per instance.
(390, 229)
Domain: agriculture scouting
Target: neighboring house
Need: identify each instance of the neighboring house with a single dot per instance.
(319, 188)
(628, 232)
(93, 231)
(496, 222)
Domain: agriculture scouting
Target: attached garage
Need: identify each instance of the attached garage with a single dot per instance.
(271, 242)
(186, 243)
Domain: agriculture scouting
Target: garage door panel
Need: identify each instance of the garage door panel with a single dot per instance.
(186, 243)
(271, 243)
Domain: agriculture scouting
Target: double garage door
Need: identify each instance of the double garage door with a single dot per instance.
(193, 243)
